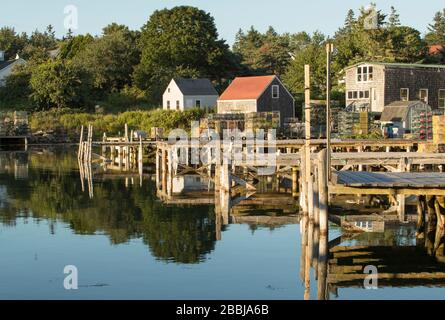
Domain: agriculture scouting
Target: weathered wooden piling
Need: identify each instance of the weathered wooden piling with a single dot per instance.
(323, 192)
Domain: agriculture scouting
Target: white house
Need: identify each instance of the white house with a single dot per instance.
(183, 94)
(6, 67)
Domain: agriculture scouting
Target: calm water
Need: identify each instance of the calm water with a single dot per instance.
(127, 245)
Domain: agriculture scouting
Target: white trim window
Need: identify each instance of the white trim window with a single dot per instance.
(365, 74)
(198, 104)
(423, 95)
(275, 92)
(168, 104)
(360, 94)
(178, 105)
(404, 94)
(442, 98)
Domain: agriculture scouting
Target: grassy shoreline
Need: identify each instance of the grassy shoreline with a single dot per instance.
(68, 122)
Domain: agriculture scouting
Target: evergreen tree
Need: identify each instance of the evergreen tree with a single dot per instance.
(436, 34)
(394, 18)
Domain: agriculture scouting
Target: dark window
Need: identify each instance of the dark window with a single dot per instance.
(275, 92)
(423, 95)
(367, 94)
(404, 94)
(198, 104)
(168, 104)
(442, 98)
(177, 105)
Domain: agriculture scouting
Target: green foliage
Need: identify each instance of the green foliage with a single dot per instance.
(11, 42)
(263, 53)
(73, 46)
(15, 94)
(110, 59)
(314, 54)
(436, 34)
(58, 84)
(180, 42)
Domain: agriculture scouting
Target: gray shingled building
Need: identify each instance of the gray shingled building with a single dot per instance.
(370, 86)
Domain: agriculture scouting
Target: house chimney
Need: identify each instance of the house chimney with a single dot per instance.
(2, 56)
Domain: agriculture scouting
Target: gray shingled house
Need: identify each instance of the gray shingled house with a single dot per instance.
(182, 94)
(372, 85)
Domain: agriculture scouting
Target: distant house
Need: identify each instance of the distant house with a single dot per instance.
(257, 94)
(6, 66)
(372, 85)
(183, 94)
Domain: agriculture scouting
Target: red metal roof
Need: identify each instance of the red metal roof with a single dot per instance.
(247, 88)
(436, 48)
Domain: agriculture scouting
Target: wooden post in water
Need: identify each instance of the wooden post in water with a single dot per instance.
(90, 149)
(401, 197)
(140, 160)
(307, 122)
(303, 188)
(80, 152)
(294, 182)
(323, 192)
(310, 198)
(316, 198)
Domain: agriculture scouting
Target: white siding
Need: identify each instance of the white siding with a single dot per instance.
(174, 95)
(206, 101)
(185, 102)
(237, 106)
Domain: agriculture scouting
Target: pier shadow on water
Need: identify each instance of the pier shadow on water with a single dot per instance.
(253, 245)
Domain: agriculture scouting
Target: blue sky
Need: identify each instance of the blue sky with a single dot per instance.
(230, 15)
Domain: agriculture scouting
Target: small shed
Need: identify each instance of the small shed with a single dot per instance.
(414, 117)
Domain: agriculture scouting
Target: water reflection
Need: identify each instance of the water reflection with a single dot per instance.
(186, 227)
(402, 257)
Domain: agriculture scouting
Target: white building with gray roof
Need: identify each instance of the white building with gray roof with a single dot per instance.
(182, 94)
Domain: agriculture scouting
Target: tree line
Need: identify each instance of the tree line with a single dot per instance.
(123, 68)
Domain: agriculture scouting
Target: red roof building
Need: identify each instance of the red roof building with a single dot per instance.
(435, 49)
(257, 94)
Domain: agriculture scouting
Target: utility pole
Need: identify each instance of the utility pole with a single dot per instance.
(329, 52)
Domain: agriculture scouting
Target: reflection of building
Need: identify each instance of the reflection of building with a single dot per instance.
(3, 197)
(189, 183)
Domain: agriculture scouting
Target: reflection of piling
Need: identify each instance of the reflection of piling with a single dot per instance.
(322, 267)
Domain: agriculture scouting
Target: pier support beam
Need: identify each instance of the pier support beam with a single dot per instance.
(323, 192)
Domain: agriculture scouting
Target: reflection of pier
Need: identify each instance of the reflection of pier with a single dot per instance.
(341, 263)
(16, 163)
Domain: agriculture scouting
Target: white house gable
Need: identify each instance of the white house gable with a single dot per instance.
(173, 98)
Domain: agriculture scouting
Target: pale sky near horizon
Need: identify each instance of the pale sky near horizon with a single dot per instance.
(230, 15)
